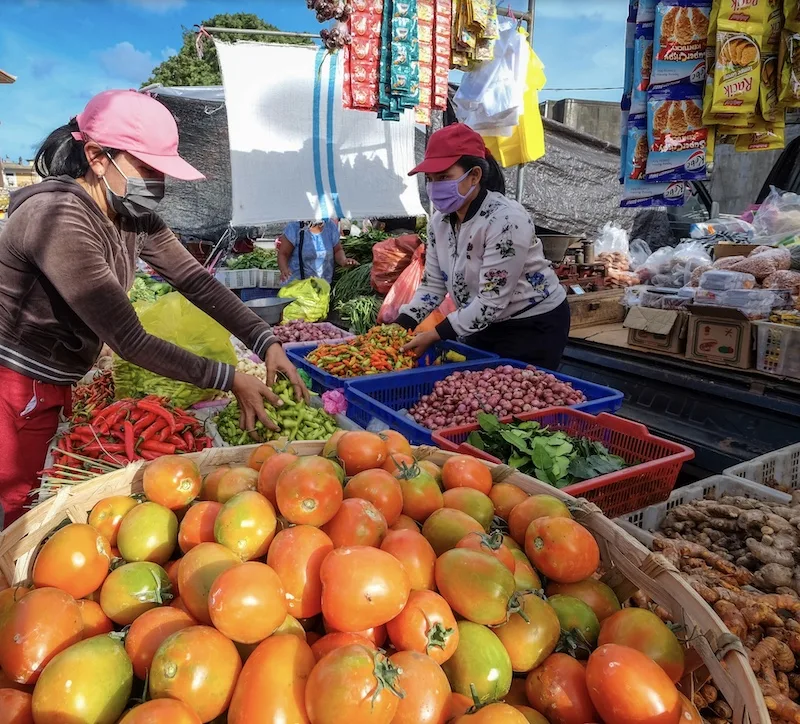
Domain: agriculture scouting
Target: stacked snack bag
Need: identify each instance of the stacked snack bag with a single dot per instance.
(700, 73)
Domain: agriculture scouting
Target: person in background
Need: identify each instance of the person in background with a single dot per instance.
(310, 249)
(68, 256)
(483, 251)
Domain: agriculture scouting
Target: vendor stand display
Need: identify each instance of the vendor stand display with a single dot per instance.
(779, 469)
(710, 657)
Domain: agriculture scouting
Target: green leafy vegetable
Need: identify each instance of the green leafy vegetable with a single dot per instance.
(147, 289)
(349, 283)
(361, 313)
(360, 247)
(256, 259)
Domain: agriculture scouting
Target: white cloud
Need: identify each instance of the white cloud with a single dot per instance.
(126, 62)
(157, 6)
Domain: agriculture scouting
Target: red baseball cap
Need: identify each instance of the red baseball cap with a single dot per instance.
(138, 124)
(447, 145)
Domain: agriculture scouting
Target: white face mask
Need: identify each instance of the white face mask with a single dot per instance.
(141, 197)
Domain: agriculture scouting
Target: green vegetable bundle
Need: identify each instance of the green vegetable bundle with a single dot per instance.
(147, 289)
(360, 247)
(548, 455)
(296, 420)
(256, 259)
(352, 282)
(361, 313)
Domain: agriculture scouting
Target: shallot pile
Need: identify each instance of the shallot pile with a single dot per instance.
(504, 390)
(298, 331)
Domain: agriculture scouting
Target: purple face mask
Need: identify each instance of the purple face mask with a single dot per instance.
(445, 196)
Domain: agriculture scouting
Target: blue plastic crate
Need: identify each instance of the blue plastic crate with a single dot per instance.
(248, 295)
(382, 398)
(322, 381)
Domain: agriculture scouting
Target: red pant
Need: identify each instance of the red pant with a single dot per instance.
(28, 422)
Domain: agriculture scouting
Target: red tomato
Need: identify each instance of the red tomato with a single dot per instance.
(397, 461)
(689, 713)
(223, 484)
(497, 713)
(472, 502)
(529, 642)
(75, 559)
(405, 523)
(132, 589)
(272, 685)
(412, 549)
(445, 527)
(595, 594)
(270, 472)
(95, 622)
(558, 690)
(491, 545)
(357, 523)
(626, 687)
(465, 471)
(260, 455)
(309, 492)
(353, 684)
(197, 525)
(396, 444)
(9, 596)
(458, 705)
(173, 481)
(197, 573)
(644, 631)
(504, 497)
(291, 627)
(562, 549)
(296, 555)
(516, 694)
(425, 688)
(149, 631)
(171, 567)
(432, 469)
(524, 576)
(421, 493)
(247, 603)
(161, 710)
(426, 625)
(476, 586)
(246, 525)
(337, 640)
(362, 587)
(375, 635)
(39, 626)
(148, 533)
(15, 707)
(361, 451)
(108, 513)
(531, 715)
(379, 488)
(329, 448)
(198, 666)
(537, 506)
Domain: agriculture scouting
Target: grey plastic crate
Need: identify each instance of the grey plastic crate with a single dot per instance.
(641, 524)
(779, 469)
(239, 278)
(269, 278)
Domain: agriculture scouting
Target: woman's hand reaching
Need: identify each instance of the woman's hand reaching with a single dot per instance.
(277, 361)
(251, 392)
(420, 343)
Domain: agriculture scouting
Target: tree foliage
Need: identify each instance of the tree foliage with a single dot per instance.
(186, 69)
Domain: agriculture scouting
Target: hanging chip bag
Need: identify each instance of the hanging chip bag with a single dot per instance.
(642, 66)
(680, 40)
(677, 139)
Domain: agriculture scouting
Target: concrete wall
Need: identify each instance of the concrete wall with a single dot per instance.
(600, 119)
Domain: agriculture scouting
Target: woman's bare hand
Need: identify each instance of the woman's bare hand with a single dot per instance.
(251, 392)
(277, 361)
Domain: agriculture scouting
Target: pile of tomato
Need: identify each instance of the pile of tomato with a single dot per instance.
(355, 587)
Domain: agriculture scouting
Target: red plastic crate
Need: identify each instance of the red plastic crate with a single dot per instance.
(654, 462)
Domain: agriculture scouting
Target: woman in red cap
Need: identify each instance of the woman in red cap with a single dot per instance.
(483, 251)
(67, 260)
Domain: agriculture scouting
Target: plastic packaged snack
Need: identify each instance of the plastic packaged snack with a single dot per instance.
(773, 25)
(680, 39)
(697, 272)
(677, 138)
(768, 93)
(778, 214)
(789, 83)
(771, 137)
(718, 280)
(630, 45)
(763, 264)
(783, 280)
(646, 11)
(727, 262)
(642, 66)
(703, 229)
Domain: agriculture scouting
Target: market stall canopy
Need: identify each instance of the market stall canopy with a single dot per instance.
(7, 77)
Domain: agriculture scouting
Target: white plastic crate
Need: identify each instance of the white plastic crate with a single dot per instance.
(239, 278)
(642, 523)
(778, 350)
(269, 278)
(778, 469)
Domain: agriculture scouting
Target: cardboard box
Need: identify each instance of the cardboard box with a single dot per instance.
(663, 330)
(722, 251)
(720, 335)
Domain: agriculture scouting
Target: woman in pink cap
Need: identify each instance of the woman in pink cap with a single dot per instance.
(484, 252)
(67, 260)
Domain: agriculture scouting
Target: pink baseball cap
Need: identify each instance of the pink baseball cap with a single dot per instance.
(138, 124)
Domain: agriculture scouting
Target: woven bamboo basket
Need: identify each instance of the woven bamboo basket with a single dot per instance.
(714, 654)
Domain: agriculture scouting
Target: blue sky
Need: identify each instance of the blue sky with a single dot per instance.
(65, 51)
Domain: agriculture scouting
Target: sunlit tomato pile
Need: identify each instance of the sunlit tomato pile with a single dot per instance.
(354, 587)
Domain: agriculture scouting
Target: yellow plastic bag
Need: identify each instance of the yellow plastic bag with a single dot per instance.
(526, 143)
(175, 319)
(311, 299)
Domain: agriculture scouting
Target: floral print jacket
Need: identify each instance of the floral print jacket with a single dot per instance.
(493, 268)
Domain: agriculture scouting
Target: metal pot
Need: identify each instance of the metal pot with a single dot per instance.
(270, 309)
(555, 246)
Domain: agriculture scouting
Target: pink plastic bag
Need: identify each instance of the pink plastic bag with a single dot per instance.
(403, 290)
(390, 259)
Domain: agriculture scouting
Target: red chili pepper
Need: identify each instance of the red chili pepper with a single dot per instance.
(98, 448)
(156, 409)
(153, 430)
(67, 440)
(163, 434)
(145, 421)
(164, 448)
(150, 455)
(128, 432)
(188, 438)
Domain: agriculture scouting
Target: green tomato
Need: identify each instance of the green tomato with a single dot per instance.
(480, 665)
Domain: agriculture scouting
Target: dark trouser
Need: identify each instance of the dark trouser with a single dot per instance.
(538, 340)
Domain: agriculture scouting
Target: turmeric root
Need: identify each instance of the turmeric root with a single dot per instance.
(773, 652)
(732, 618)
(759, 614)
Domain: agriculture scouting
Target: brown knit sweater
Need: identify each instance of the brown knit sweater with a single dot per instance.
(65, 270)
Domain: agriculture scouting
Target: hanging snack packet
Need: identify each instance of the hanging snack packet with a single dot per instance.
(768, 93)
(772, 27)
(630, 44)
(639, 193)
(680, 40)
(646, 11)
(789, 62)
(642, 66)
(710, 118)
(677, 139)
(737, 72)
(771, 138)
(791, 14)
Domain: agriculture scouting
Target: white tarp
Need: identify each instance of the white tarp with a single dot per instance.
(296, 153)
